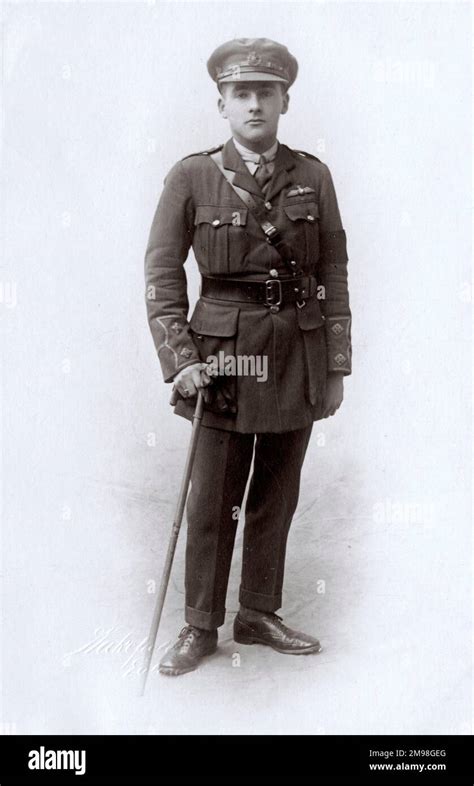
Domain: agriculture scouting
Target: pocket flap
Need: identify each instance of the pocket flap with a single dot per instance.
(212, 319)
(304, 211)
(218, 215)
(310, 316)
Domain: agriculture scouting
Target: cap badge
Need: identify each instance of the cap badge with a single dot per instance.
(254, 59)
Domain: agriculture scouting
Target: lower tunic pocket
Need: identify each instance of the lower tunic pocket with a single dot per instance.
(214, 331)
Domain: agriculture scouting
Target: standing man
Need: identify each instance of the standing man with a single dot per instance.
(265, 228)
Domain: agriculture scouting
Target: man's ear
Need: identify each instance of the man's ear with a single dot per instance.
(221, 107)
(286, 103)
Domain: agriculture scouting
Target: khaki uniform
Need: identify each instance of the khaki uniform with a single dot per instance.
(273, 418)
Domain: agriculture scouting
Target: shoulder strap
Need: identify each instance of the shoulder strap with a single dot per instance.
(271, 232)
(303, 154)
(203, 152)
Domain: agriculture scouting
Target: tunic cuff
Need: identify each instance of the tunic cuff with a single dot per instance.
(338, 337)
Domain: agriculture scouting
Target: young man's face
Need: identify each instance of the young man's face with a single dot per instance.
(253, 110)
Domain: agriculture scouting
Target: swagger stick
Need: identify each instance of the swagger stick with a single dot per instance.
(183, 493)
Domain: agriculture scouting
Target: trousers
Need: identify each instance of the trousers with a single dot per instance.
(218, 481)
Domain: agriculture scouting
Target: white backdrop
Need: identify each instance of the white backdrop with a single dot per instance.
(99, 101)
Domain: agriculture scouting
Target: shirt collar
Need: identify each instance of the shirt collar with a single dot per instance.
(249, 155)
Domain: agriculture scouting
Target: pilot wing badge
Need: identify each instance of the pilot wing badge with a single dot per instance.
(300, 191)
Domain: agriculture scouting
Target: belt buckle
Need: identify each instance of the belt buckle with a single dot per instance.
(270, 294)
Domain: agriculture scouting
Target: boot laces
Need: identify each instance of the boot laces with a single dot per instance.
(281, 624)
(187, 636)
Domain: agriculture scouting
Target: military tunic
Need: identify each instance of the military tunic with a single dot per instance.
(199, 208)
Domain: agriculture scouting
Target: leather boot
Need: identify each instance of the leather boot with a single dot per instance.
(259, 627)
(192, 646)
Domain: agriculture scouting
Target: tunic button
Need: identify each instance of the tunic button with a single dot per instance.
(274, 309)
(310, 217)
(268, 205)
(274, 273)
(216, 222)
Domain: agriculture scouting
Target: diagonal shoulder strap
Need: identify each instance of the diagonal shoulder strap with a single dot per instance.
(271, 232)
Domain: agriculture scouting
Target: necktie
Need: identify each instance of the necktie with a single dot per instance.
(262, 174)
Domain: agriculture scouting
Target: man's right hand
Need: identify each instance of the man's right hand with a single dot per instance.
(191, 379)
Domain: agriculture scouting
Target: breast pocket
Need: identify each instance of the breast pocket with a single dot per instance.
(214, 330)
(221, 242)
(303, 231)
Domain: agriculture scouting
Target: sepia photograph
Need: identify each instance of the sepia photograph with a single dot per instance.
(236, 301)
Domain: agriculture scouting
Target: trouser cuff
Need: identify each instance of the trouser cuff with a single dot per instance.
(204, 619)
(254, 600)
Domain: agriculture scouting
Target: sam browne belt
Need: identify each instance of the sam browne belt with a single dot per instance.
(273, 292)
